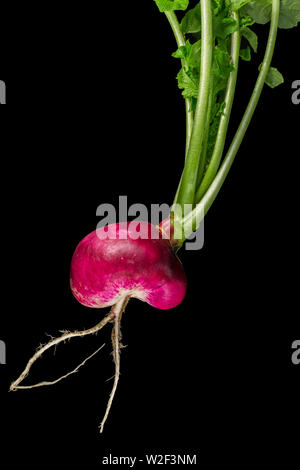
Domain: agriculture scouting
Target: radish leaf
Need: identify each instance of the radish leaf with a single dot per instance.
(245, 54)
(188, 82)
(260, 11)
(221, 68)
(251, 37)
(274, 77)
(191, 22)
(171, 5)
(183, 52)
(223, 23)
(235, 5)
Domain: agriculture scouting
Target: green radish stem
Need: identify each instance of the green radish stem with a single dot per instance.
(180, 40)
(205, 140)
(188, 222)
(224, 121)
(187, 189)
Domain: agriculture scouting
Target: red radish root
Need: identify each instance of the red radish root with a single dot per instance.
(108, 271)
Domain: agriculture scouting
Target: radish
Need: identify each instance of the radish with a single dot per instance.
(110, 266)
(109, 271)
(105, 271)
(113, 264)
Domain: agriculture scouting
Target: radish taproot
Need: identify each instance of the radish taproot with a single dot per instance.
(113, 264)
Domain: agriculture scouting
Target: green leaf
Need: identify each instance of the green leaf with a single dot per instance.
(188, 84)
(289, 13)
(195, 55)
(245, 54)
(251, 37)
(221, 68)
(183, 52)
(223, 23)
(190, 54)
(223, 27)
(171, 5)
(246, 21)
(188, 76)
(274, 77)
(260, 11)
(191, 22)
(236, 5)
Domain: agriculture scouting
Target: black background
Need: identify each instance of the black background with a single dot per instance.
(93, 112)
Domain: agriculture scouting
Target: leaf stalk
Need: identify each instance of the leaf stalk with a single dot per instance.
(188, 222)
(187, 189)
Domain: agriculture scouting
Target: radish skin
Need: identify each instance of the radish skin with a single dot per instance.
(105, 270)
